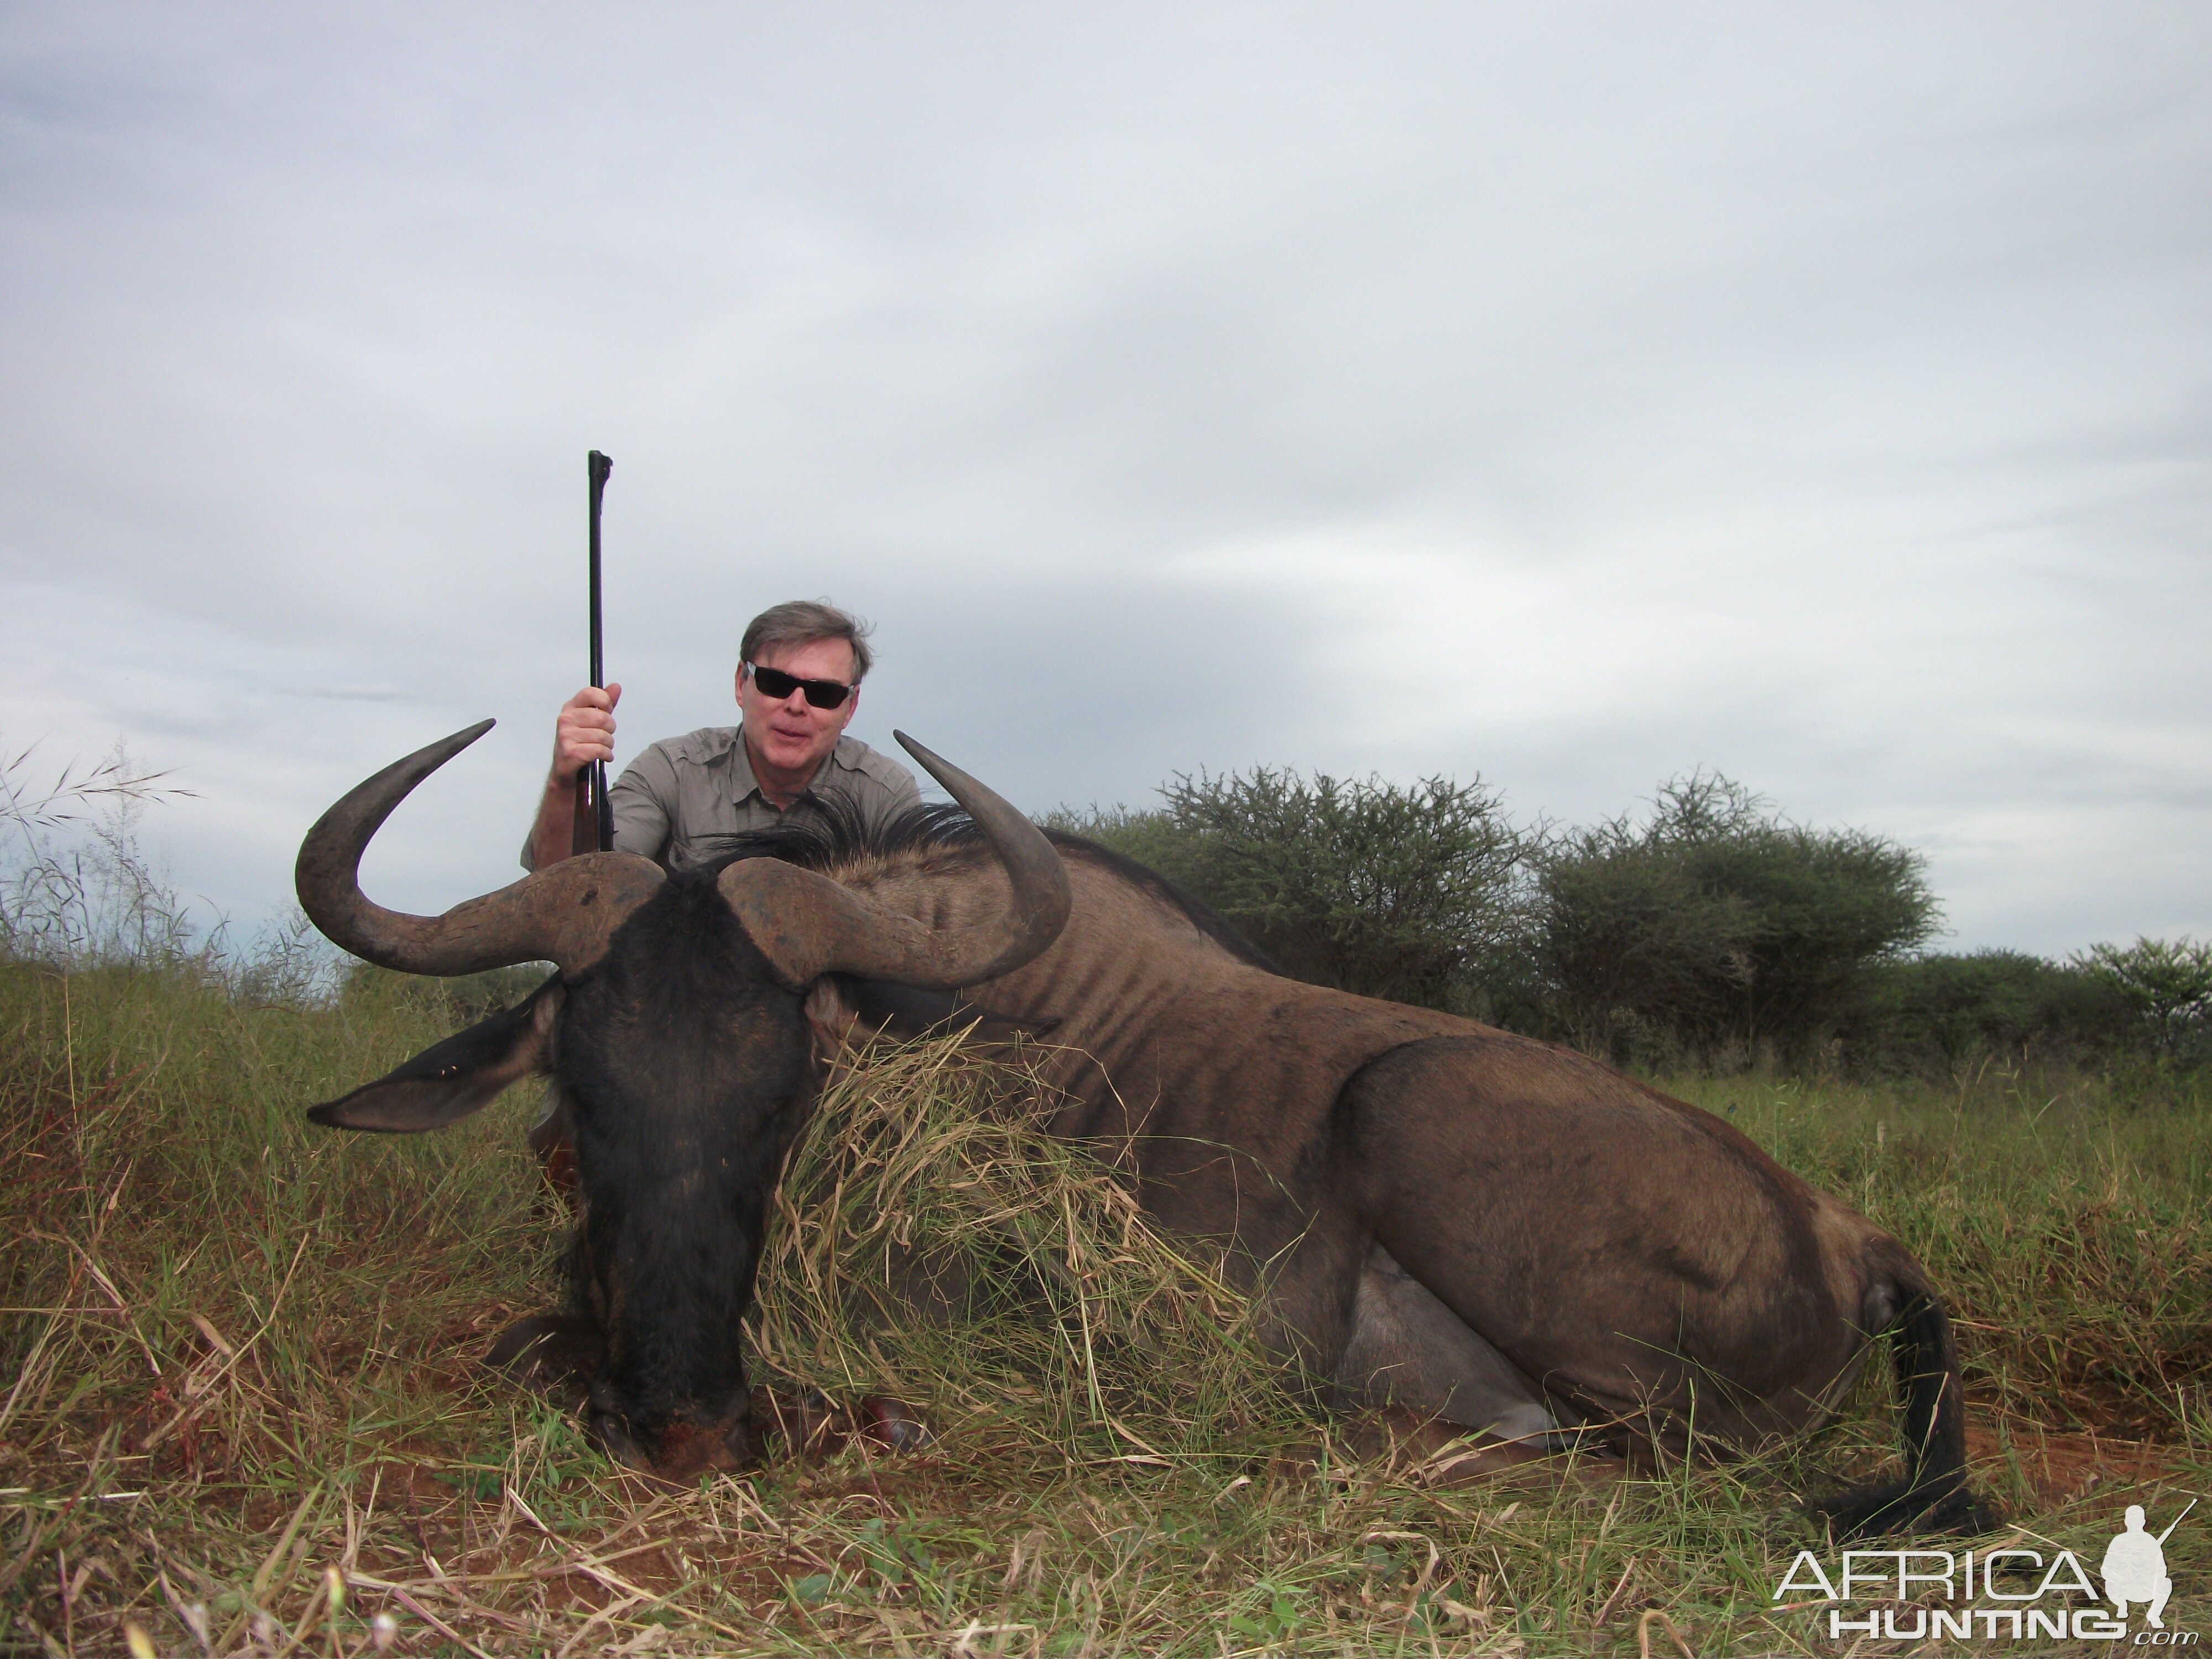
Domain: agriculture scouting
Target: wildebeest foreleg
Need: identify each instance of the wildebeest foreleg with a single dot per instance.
(1407, 1349)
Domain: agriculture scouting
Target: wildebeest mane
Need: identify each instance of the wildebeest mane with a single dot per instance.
(839, 835)
(1200, 914)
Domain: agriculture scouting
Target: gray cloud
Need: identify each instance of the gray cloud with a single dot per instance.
(355, 693)
(1575, 396)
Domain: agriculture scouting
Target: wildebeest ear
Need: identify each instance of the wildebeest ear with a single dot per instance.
(467, 1071)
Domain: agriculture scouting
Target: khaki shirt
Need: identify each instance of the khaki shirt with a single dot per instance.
(679, 796)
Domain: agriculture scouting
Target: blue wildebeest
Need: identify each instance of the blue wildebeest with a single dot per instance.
(1443, 1217)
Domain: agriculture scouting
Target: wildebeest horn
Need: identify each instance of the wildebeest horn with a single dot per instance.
(807, 925)
(562, 915)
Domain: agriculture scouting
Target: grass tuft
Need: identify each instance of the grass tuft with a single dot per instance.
(931, 1240)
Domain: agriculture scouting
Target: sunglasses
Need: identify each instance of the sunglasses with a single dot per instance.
(775, 685)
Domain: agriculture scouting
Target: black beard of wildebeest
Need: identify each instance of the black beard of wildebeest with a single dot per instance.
(1469, 1228)
(687, 1071)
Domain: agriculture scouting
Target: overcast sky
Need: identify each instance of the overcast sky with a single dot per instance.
(1573, 396)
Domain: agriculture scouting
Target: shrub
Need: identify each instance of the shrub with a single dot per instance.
(1715, 926)
(2167, 988)
(1939, 1014)
(1403, 893)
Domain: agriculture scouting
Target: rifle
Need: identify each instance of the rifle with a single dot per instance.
(2177, 1520)
(594, 831)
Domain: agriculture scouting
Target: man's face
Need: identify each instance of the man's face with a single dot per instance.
(790, 734)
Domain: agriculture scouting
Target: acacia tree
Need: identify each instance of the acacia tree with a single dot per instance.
(2167, 985)
(1368, 886)
(1716, 922)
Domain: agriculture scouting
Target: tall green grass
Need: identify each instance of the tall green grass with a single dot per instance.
(2065, 1215)
(238, 1351)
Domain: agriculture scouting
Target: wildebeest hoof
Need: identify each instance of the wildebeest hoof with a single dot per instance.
(892, 1424)
(800, 1422)
(549, 1352)
(809, 1424)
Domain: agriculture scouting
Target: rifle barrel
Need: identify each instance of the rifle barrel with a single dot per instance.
(2177, 1520)
(596, 468)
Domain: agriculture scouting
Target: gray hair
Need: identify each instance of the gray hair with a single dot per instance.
(801, 621)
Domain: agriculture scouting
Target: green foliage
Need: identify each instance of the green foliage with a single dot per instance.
(1709, 931)
(2167, 987)
(1716, 926)
(1942, 1014)
(2137, 1009)
(1400, 893)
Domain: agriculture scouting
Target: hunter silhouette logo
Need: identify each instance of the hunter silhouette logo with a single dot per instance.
(2014, 1592)
(2134, 1568)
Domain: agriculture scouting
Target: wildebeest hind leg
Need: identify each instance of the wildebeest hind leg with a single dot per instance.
(1409, 1351)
